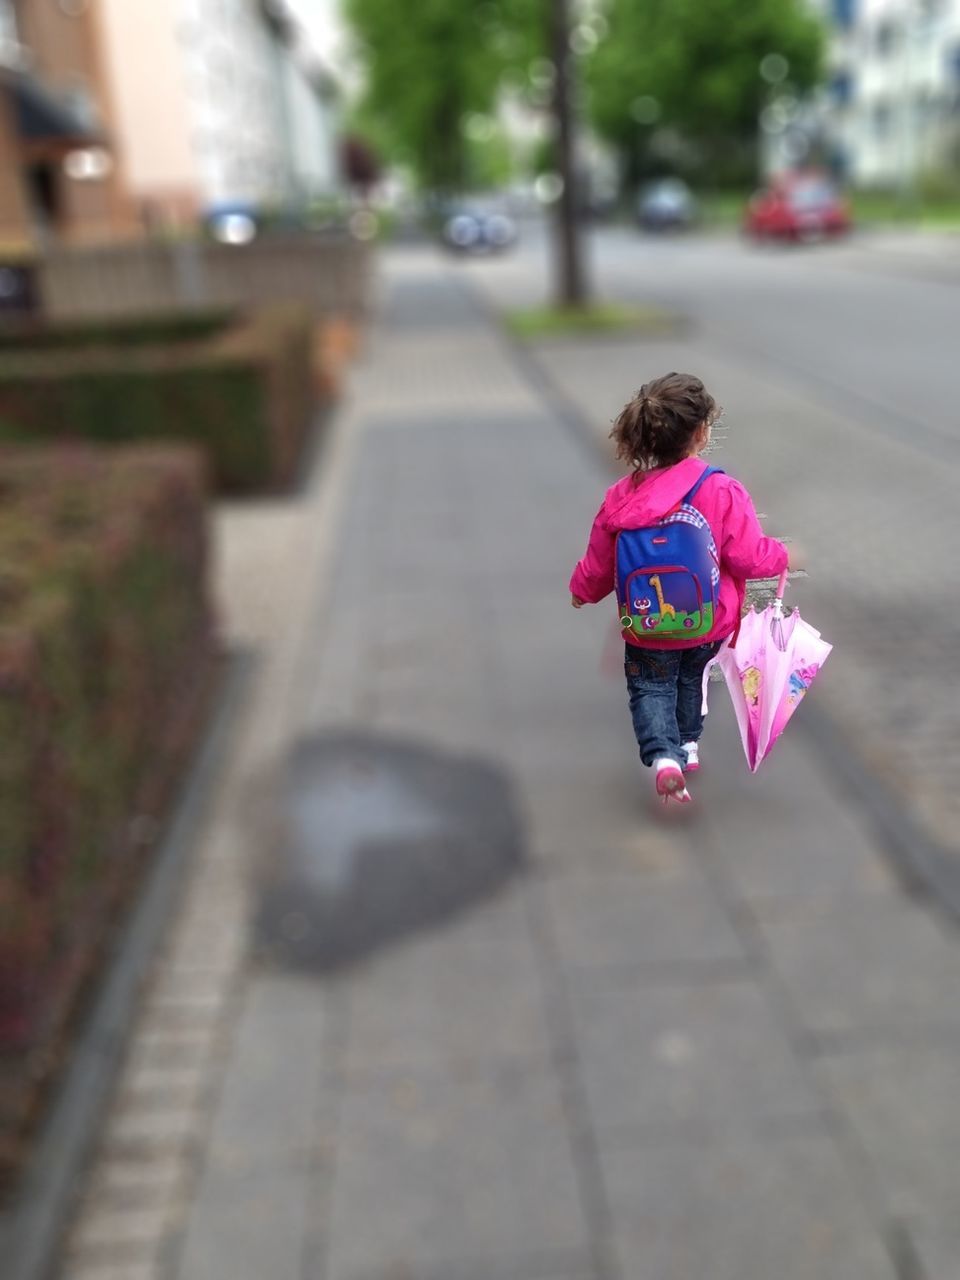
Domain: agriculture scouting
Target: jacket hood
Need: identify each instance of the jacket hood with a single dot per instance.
(631, 506)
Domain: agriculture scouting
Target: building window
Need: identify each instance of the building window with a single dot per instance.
(81, 99)
(8, 23)
(882, 117)
(885, 38)
(841, 88)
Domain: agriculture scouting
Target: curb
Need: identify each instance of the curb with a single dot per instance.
(32, 1228)
(923, 867)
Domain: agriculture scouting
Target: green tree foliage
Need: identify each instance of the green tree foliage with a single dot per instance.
(692, 68)
(488, 160)
(430, 65)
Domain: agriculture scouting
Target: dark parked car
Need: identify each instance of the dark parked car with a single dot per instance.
(233, 222)
(667, 205)
(797, 206)
(472, 229)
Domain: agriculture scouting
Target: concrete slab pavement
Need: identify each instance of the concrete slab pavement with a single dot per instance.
(669, 1048)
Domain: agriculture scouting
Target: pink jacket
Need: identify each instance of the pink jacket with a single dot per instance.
(745, 551)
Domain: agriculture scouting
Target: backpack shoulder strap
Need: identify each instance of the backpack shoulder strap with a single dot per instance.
(689, 497)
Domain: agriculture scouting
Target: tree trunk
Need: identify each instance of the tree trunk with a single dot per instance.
(570, 285)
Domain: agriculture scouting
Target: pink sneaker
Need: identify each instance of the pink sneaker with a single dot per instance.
(693, 756)
(670, 781)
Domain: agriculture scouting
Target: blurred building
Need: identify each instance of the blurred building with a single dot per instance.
(119, 116)
(56, 173)
(891, 112)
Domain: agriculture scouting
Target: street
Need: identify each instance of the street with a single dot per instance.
(873, 331)
(571, 1037)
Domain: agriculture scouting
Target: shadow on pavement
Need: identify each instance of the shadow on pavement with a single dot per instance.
(371, 838)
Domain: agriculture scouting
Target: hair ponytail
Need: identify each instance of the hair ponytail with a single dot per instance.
(656, 427)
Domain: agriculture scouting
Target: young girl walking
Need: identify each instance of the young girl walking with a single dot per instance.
(660, 434)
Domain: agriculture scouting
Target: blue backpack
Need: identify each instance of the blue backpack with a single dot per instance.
(668, 574)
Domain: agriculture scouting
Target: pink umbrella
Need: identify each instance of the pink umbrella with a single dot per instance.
(770, 668)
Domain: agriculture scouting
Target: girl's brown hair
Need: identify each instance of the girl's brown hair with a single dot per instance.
(655, 428)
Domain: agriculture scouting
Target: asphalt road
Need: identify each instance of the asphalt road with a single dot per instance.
(855, 323)
(870, 322)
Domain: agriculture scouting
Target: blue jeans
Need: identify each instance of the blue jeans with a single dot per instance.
(666, 698)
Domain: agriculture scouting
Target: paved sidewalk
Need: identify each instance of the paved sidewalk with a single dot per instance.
(720, 1047)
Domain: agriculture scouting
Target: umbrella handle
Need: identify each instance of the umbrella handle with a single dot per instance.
(776, 622)
(778, 599)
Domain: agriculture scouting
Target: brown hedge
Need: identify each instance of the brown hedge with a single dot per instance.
(244, 393)
(126, 331)
(106, 661)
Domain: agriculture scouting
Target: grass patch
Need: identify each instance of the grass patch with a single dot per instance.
(937, 211)
(600, 318)
(723, 210)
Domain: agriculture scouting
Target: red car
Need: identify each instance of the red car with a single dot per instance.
(797, 206)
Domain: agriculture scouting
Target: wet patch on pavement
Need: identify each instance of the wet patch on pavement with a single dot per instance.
(365, 839)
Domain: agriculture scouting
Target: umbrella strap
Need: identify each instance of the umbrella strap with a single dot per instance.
(735, 633)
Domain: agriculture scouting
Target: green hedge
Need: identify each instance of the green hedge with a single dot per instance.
(106, 662)
(127, 331)
(244, 394)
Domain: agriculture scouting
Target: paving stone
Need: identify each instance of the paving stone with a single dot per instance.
(702, 1059)
(591, 826)
(146, 1081)
(491, 1265)
(248, 1226)
(622, 921)
(471, 994)
(442, 722)
(174, 1015)
(193, 988)
(867, 965)
(438, 1166)
(740, 1211)
(203, 926)
(113, 1271)
(105, 1229)
(937, 1247)
(157, 1047)
(267, 1110)
(775, 845)
(901, 1102)
(136, 1130)
(144, 1183)
(164, 1093)
(201, 957)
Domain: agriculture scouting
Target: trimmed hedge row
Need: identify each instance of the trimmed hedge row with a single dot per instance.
(244, 394)
(106, 662)
(131, 331)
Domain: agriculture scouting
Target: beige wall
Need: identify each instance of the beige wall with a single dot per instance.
(148, 107)
(66, 58)
(332, 275)
(60, 45)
